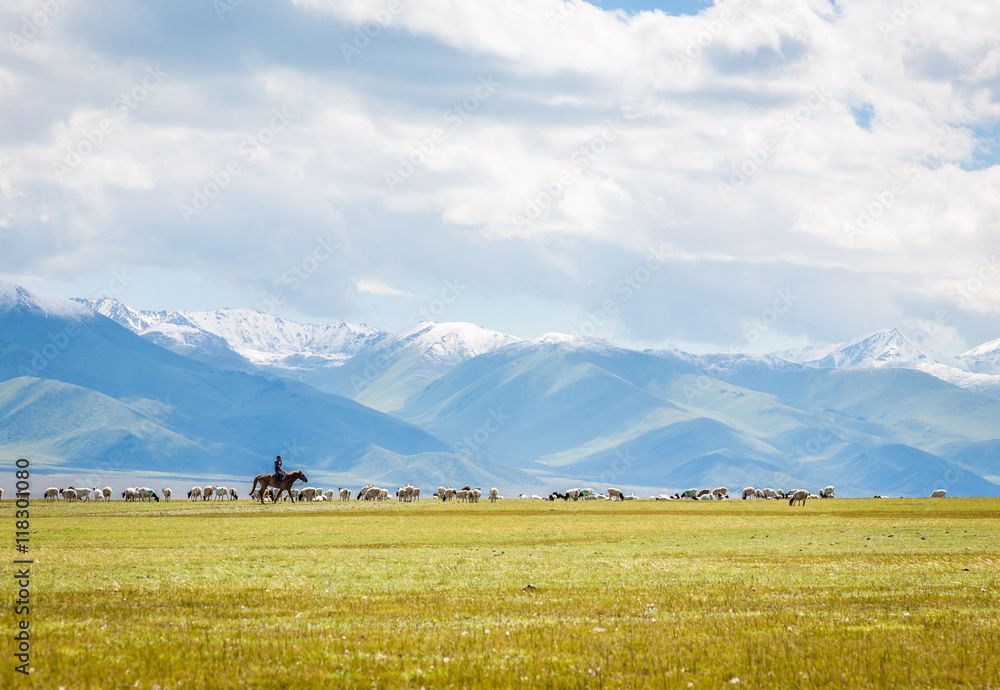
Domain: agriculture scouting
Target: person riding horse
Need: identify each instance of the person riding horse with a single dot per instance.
(279, 474)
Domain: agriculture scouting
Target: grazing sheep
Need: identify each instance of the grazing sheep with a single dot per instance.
(416, 493)
(195, 493)
(615, 493)
(826, 493)
(938, 493)
(536, 497)
(373, 493)
(345, 494)
(69, 494)
(145, 493)
(720, 492)
(167, 493)
(574, 494)
(234, 495)
(383, 494)
(630, 497)
(495, 495)
(799, 495)
(207, 492)
(462, 495)
(307, 494)
(129, 494)
(757, 493)
(702, 492)
(221, 493)
(106, 491)
(707, 497)
(769, 493)
(749, 492)
(446, 494)
(522, 495)
(52, 492)
(475, 495)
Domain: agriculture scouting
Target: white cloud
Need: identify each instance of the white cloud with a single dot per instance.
(726, 155)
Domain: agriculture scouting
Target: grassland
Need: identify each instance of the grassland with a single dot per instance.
(855, 593)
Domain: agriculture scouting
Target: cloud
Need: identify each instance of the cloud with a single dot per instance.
(537, 150)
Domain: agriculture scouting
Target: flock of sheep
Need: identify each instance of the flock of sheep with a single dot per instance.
(411, 493)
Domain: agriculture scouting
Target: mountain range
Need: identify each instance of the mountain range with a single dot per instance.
(190, 394)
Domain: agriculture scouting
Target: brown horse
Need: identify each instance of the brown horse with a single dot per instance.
(267, 481)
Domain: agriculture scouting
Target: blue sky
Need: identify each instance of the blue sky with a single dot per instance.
(661, 179)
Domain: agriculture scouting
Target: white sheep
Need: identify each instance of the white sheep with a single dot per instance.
(938, 493)
(51, 493)
(615, 493)
(167, 493)
(195, 493)
(495, 495)
(307, 494)
(799, 495)
(234, 495)
(345, 494)
(207, 492)
(749, 492)
(475, 495)
(769, 493)
(69, 494)
(827, 492)
(720, 492)
(106, 491)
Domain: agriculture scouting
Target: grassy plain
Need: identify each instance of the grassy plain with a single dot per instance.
(855, 593)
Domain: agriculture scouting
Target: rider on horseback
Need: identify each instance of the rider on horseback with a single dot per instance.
(279, 474)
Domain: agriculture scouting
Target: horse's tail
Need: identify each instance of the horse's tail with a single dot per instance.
(254, 487)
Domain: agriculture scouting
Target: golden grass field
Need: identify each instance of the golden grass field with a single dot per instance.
(840, 593)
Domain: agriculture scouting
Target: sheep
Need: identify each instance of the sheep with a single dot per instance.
(720, 492)
(98, 494)
(345, 494)
(129, 494)
(536, 497)
(82, 494)
(167, 493)
(106, 491)
(495, 495)
(69, 494)
(52, 492)
(799, 495)
(373, 493)
(826, 493)
(475, 495)
(307, 494)
(364, 491)
(146, 493)
(702, 492)
(615, 493)
(630, 497)
(574, 494)
(221, 493)
(522, 495)
(938, 493)
(206, 493)
(446, 493)
(769, 493)
(416, 493)
(707, 497)
(749, 492)
(234, 495)
(195, 493)
(462, 495)
(757, 493)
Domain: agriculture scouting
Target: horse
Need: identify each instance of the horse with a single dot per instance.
(267, 481)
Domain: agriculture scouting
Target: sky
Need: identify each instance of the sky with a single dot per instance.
(736, 176)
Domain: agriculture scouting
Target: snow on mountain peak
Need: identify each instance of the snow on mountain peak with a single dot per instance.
(888, 348)
(449, 342)
(16, 297)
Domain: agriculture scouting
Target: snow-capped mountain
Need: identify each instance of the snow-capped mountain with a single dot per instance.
(385, 376)
(892, 349)
(286, 347)
(984, 359)
(82, 395)
(875, 414)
